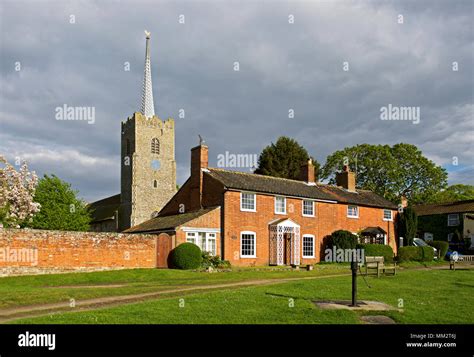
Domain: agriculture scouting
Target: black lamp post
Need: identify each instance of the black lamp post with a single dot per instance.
(354, 282)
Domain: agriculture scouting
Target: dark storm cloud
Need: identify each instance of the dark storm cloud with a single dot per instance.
(282, 66)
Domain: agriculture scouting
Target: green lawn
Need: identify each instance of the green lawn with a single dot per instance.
(431, 297)
(38, 289)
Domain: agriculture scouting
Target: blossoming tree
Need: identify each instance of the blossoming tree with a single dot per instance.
(17, 190)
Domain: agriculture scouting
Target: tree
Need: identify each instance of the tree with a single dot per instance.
(60, 209)
(17, 190)
(284, 159)
(392, 172)
(408, 225)
(452, 194)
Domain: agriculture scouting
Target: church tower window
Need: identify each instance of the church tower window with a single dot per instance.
(155, 146)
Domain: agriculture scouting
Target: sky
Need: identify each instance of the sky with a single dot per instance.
(334, 64)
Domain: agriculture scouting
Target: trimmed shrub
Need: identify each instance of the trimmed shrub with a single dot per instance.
(409, 253)
(214, 261)
(427, 254)
(377, 250)
(442, 247)
(342, 239)
(187, 256)
(418, 254)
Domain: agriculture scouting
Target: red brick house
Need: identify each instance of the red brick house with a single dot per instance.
(252, 219)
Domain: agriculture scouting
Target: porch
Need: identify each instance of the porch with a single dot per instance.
(285, 243)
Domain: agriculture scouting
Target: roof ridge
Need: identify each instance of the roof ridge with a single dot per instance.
(261, 175)
(445, 203)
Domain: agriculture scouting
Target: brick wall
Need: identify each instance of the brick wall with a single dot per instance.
(329, 217)
(24, 250)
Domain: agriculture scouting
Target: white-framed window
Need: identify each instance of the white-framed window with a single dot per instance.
(308, 246)
(204, 240)
(211, 243)
(280, 205)
(248, 201)
(453, 220)
(191, 237)
(450, 237)
(387, 215)
(353, 211)
(308, 208)
(248, 247)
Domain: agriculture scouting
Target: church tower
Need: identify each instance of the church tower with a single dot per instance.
(148, 167)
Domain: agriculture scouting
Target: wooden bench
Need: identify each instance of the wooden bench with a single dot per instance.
(378, 264)
(461, 259)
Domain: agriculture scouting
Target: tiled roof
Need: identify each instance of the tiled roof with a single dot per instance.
(360, 197)
(162, 223)
(443, 208)
(280, 186)
(104, 209)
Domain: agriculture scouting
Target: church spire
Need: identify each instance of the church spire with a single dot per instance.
(148, 107)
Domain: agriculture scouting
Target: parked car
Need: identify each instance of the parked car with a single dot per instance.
(418, 242)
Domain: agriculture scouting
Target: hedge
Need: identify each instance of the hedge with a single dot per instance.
(342, 239)
(427, 254)
(419, 254)
(442, 247)
(377, 250)
(187, 256)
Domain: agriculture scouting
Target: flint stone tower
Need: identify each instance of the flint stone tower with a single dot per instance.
(148, 167)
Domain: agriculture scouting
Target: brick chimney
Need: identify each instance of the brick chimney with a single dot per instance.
(307, 172)
(199, 161)
(346, 179)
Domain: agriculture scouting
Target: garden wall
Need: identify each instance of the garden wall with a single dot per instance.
(27, 251)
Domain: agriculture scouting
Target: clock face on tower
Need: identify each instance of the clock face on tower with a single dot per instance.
(155, 164)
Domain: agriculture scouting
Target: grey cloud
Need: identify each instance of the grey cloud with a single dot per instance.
(283, 66)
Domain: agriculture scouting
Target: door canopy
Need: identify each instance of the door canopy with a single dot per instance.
(279, 231)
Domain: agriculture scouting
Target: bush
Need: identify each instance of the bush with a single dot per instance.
(409, 253)
(442, 247)
(187, 256)
(427, 254)
(377, 250)
(214, 261)
(342, 239)
(419, 254)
